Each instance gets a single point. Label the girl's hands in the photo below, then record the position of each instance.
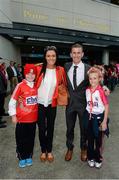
(104, 125)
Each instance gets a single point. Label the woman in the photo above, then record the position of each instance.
(50, 75)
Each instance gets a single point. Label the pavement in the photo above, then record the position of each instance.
(60, 169)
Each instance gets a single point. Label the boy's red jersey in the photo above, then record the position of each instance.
(27, 107)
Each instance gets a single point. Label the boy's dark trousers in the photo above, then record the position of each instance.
(46, 120)
(25, 135)
(94, 143)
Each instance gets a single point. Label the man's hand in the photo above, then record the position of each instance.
(106, 90)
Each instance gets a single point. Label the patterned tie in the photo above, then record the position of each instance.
(74, 77)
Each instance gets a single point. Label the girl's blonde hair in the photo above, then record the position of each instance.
(101, 68)
(95, 70)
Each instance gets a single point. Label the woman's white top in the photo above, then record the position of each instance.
(47, 87)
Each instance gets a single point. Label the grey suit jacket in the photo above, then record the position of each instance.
(77, 99)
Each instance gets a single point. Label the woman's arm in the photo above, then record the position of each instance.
(64, 77)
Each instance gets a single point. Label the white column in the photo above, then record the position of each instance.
(105, 57)
(9, 51)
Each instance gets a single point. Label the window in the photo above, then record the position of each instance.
(112, 1)
(115, 2)
(108, 1)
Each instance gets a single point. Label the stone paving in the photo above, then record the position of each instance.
(59, 169)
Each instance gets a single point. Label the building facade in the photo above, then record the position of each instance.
(26, 26)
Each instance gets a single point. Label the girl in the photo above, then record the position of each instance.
(49, 77)
(95, 118)
(23, 109)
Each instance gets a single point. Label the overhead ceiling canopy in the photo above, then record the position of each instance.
(27, 32)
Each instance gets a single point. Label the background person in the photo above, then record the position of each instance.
(3, 90)
(12, 75)
(19, 73)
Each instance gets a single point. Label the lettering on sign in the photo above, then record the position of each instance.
(66, 21)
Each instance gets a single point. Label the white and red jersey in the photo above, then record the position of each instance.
(96, 100)
(23, 102)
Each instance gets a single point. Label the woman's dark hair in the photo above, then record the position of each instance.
(46, 49)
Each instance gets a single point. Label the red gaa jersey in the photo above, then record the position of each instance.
(26, 97)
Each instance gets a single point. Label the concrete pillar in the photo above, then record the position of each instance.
(105, 57)
(9, 51)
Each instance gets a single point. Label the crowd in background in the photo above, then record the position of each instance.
(13, 74)
(110, 76)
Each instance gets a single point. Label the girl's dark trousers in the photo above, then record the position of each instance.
(46, 121)
(25, 135)
(94, 136)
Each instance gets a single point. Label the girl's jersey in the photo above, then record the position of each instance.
(96, 100)
(26, 98)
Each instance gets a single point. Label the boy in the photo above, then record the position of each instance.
(23, 109)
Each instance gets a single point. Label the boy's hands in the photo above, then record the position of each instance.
(14, 119)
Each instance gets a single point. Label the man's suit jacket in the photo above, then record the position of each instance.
(10, 72)
(77, 98)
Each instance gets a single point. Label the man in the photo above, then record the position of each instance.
(77, 81)
(3, 90)
(12, 75)
(19, 73)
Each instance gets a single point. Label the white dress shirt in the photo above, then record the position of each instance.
(79, 73)
(47, 87)
(14, 70)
